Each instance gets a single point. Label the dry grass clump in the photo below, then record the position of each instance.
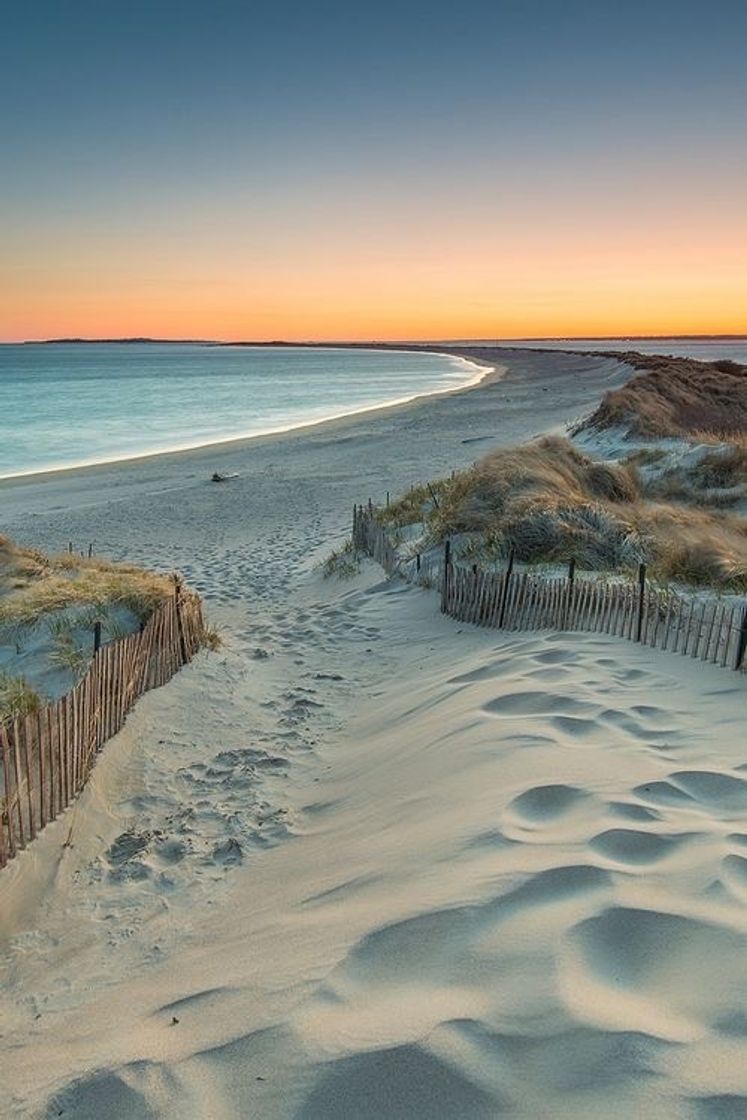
(697, 548)
(17, 697)
(408, 509)
(676, 397)
(33, 585)
(342, 563)
(211, 637)
(550, 503)
(646, 456)
(550, 472)
(717, 480)
(722, 470)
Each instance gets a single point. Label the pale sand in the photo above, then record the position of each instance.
(377, 864)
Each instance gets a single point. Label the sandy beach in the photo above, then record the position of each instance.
(364, 862)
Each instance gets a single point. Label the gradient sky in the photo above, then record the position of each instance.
(391, 170)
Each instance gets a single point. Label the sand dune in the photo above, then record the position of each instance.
(365, 862)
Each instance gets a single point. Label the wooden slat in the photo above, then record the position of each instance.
(22, 830)
(734, 616)
(508, 609)
(8, 791)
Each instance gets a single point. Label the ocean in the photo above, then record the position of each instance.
(64, 405)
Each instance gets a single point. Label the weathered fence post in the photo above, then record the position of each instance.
(641, 598)
(97, 636)
(741, 641)
(504, 596)
(568, 615)
(179, 623)
(417, 562)
(90, 550)
(387, 499)
(445, 579)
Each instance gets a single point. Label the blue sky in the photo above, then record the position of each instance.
(131, 121)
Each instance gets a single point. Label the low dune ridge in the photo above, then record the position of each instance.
(676, 397)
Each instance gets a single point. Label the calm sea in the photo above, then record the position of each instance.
(66, 404)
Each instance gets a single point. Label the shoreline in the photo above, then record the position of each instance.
(484, 375)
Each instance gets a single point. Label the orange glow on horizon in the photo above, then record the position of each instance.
(322, 315)
(568, 271)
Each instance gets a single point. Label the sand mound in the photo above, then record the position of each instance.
(676, 397)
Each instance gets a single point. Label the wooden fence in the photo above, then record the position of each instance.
(707, 628)
(48, 755)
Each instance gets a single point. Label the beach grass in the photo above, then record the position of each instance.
(342, 563)
(549, 503)
(17, 697)
(34, 585)
(677, 397)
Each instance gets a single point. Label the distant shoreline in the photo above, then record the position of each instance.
(373, 344)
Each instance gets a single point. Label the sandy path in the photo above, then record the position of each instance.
(374, 863)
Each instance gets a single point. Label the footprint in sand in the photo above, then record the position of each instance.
(543, 805)
(397, 1082)
(539, 703)
(722, 1106)
(661, 972)
(735, 874)
(635, 848)
(665, 794)
(717, 791)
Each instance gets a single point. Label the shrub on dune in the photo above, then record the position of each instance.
(550, 503)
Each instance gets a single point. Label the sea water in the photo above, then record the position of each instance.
(68, 404)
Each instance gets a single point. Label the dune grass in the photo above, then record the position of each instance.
(550, 503)
(342, 563)
(17, 697)
(676, 397)
(717, 479)
(34, 585)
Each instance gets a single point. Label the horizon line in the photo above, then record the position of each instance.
(148, 339)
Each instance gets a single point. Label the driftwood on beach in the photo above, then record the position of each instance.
(707, 628)
(47, 756)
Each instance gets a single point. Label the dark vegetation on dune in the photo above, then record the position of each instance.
(676, 397)
(549, 503)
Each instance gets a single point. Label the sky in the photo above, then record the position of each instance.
(252, 170)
